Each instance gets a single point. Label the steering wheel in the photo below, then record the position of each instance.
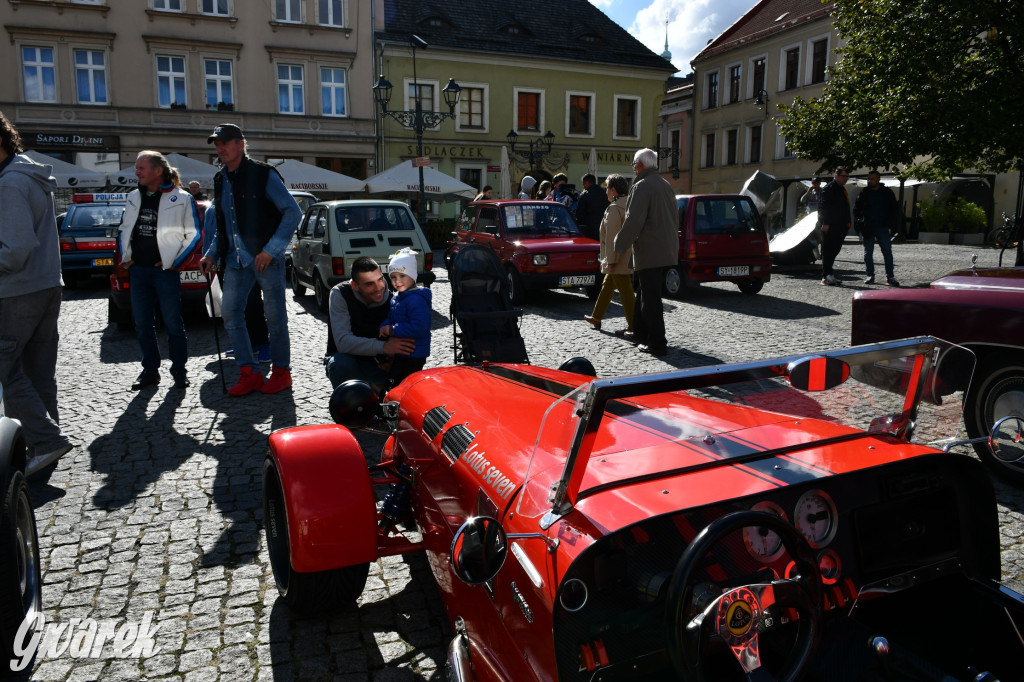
(740, 614)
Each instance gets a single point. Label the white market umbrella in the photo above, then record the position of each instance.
(406, 178)
(592, 162)
(309, 178)
(189, 169)
(505, 188)
(68, 174)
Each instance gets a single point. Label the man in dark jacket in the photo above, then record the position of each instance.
(834, 223)
(876, 212)
(590, 207)
(255, 219)
(651, 227)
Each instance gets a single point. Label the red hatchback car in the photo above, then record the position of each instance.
(538, 242)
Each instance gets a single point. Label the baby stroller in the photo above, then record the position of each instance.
(486, 326)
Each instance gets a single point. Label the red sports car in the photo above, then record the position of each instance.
(767, 520)
(979, 308)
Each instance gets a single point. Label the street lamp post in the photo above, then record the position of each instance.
(417, 119)
(533, 156)
(761, 100)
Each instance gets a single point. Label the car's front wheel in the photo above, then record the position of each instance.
(307, 593)
(516, 293)
(997, 392)
(298, 288)
(21, 596)
(750, 286)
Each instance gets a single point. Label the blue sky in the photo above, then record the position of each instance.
(692, 23)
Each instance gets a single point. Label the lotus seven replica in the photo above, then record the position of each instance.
(779, 519)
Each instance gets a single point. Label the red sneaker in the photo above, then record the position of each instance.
(279, 380)
(247, 383)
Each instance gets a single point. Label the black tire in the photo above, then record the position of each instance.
(321, 292)
(516, 293)
(306, 593)
(675, 282)
(122, 319)
(750, 286)
(997, 392)
(298, 288)
(21, 594)
(593, 291)
(449, 258)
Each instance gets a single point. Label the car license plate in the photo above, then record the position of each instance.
(100, 262)
(577, 280)
(734, 270)
(189, 276)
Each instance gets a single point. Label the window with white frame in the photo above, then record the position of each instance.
(40, 77)
(708, 156)
(473, 108)
(217, 8)
(731, 146)
(784, 150)
(170, 81)
(627, 117)
(819, 60)
(711, 90)
(735, 75)
(754, 133)
(529, 111)
(289, 89)
(91, 76)
(288, 10)
(219, 83)
(332, 92)
(167, 5)
(791, 68)
(329, 13)
(580, 109)
(758, 69)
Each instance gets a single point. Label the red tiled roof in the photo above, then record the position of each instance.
(766, 18)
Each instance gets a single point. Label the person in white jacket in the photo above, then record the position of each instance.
(159, 229)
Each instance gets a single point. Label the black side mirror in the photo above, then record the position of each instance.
(354, 404)
(478, 550)
(1006, 440)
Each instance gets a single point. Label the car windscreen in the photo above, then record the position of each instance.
(375, 218)
(801, 408)
(106, 215)
(724, 216)
(545, 218)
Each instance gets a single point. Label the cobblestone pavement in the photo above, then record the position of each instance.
(158, 507)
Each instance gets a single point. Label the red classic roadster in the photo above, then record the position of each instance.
(766, 520)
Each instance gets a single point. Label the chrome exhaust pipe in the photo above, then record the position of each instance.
(459, 667)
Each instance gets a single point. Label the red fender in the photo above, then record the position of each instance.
(329, 502)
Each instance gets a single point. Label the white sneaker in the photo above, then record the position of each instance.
(831, 281)
(42, 460)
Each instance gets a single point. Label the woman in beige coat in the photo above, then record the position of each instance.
(618, 275)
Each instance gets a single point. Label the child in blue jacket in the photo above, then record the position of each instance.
(409, 317)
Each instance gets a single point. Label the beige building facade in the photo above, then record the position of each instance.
(95, 81)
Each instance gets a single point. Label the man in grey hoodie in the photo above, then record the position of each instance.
(30, 295)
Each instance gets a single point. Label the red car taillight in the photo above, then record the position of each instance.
(691, 248)
(67, 244)
(104, 245)
(428, 260)
(338, 266)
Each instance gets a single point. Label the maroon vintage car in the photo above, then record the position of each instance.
(979, 308)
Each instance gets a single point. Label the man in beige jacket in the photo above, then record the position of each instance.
(651, 228)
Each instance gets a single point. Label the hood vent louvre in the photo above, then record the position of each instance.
(456, 441)
(434, 420)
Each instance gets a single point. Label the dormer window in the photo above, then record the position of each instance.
(512, 30)
(589, 38)
(434, 22)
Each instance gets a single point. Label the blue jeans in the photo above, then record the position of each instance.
(341, 367)
(151, 285)
(880, 234)
(236, 285)
(28, 365)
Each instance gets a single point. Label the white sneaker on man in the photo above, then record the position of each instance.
(41, 460)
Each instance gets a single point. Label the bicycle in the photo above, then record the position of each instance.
(1005, 234)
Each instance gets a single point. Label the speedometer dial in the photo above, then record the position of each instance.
(815, 517)
(764, 544)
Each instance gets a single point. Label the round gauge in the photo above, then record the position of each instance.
(574, 595)
(830, 565)
(764, 544)
(815, 517)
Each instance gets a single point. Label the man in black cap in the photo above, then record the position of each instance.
(256, 217)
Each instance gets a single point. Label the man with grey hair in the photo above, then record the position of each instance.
(651, 229)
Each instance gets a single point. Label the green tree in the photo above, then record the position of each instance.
(925, 88)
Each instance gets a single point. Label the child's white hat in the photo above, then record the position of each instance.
(403, 261)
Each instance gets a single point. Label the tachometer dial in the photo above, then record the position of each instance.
(830, 565)
(764, 544)
(815, 517)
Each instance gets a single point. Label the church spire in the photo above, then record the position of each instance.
(666, 55)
